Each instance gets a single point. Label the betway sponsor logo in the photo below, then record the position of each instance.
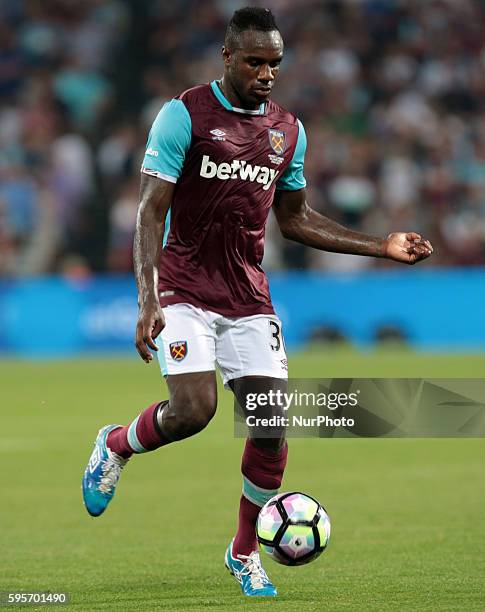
(238, 168)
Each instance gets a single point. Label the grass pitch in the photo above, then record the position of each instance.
(408, 516)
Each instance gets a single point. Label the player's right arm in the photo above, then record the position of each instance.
(168, 142)
(155, 198)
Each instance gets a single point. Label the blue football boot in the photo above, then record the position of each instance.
(247, 570)
(102, 474)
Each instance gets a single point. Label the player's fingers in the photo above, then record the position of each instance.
(421, 253)
(157, 328)
(141, 344)
(145, 357)
(144, 354)
(424, 246)
(416, 252)
(421, 247)
(148, 340)
(415, 249)
(412, 236)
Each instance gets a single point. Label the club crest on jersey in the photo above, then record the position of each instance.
(178, 350)
(277, 140)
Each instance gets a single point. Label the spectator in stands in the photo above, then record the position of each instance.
(391, 94)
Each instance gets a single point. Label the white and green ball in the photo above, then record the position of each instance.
(293, 528)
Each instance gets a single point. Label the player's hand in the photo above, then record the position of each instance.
(150, 323)
(407, 247)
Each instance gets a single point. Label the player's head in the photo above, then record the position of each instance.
(252, 52)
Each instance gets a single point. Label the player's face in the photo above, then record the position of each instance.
(253, 67)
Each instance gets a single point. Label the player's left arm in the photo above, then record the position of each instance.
(302, 224)
(299, 222)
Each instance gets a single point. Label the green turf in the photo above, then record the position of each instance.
(408, 516)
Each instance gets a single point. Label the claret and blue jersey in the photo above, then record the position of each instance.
(226, 163)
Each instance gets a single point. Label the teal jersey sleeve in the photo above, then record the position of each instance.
(292, 178)
(168, 142)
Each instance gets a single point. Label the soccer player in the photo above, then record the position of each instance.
(218, 157)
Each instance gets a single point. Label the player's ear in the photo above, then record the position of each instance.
(226, 55)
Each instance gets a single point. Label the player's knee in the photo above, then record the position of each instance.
(189, 416)
(272, 445)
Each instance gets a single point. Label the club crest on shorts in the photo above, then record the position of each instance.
(277, 140)
(178, 350)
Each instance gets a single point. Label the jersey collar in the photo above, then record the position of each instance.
(227, 105)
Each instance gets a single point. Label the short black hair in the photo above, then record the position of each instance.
(249, 18)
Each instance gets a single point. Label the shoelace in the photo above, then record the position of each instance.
(111, 472)
(253, 568)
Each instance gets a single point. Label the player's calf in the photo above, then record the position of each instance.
(142, 435)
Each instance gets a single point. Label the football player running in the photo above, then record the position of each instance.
(218, 158)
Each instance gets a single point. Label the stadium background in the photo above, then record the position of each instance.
(391, 94)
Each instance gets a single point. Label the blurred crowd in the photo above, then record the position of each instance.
(391, 93)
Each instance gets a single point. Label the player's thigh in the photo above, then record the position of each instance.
(261, 403)
(260, 396)
(252, 346)
(187, 342)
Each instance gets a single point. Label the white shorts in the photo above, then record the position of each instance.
(196, 340)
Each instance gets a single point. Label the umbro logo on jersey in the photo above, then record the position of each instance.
(238, 168)
(218, 134)
(152, 152)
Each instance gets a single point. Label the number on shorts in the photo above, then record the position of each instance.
(276, 334)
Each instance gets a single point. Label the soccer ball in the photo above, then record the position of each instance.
(293, 528)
